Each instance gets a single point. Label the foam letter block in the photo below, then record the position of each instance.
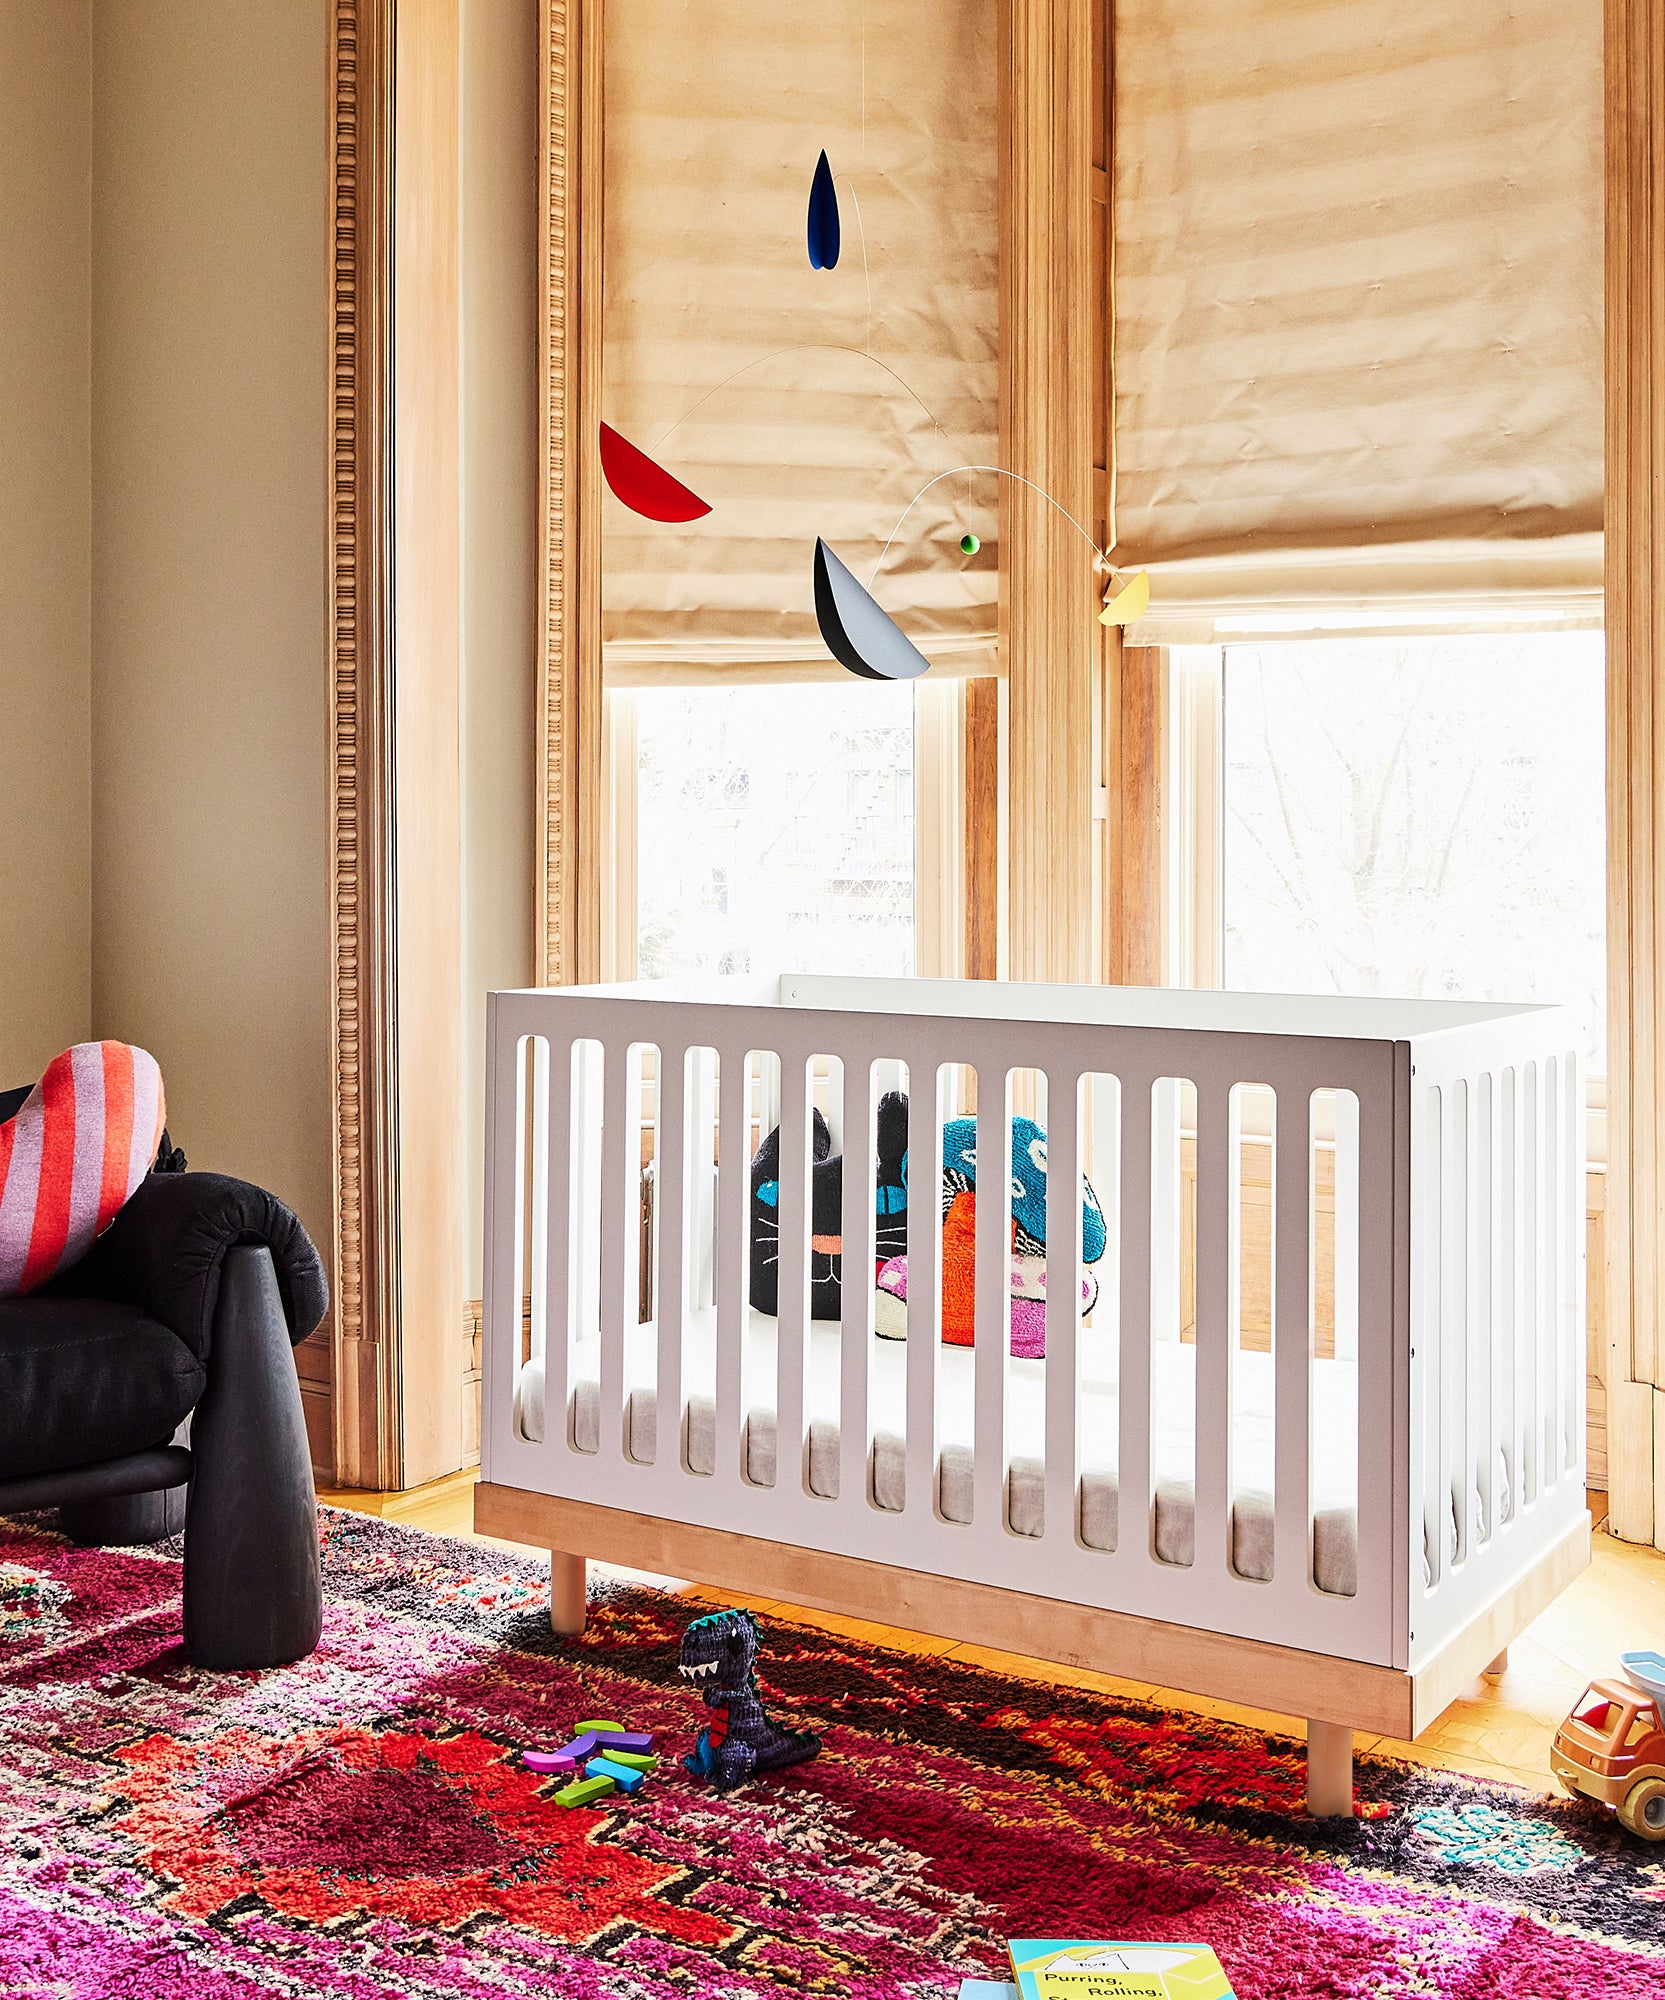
(621, 1739)
(579, 1748)
(593, 1728)
(637, 1760)
(549, 1763)
(622, 1775)
(585, 1791)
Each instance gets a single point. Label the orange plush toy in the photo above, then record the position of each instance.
(1026, 1249)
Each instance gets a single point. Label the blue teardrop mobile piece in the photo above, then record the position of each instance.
(823, 217)
(859, 632)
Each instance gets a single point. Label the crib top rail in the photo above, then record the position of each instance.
(1332, 1017)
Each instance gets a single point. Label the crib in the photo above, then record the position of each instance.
(1317, 1446)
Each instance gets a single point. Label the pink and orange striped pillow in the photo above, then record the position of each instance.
(81, 1142)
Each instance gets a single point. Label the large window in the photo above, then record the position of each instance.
(1421, 817)
(774, 829)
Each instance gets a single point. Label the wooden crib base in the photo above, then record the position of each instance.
(1335, 1697)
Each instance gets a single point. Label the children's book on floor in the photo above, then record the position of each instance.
(1081, 1969)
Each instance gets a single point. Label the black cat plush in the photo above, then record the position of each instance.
(826, 1210)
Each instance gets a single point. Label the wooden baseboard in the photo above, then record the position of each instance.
(442, 1495)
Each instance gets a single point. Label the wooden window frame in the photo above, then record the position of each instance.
(1037, 855)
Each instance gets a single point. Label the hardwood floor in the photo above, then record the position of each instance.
(1500, 1729)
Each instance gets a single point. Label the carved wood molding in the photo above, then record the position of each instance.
(1635, 538)
(568, 936)
(360, 517)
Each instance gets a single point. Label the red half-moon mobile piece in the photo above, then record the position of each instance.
(644, 485)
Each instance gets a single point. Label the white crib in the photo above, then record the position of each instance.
(1345, 1530)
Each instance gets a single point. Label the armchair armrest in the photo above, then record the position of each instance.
(165, 1250)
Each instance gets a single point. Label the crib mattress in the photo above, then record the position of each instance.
(1173, 1402)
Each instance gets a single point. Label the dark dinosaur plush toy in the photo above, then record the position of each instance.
(719, 1656)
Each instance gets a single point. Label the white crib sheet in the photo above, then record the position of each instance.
(1334, 1433)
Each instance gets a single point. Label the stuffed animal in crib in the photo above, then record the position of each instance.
(959, 1239)
(826, 1207)
(719, 1657)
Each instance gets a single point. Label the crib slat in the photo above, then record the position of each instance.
(532, 1258)
(560, 1276)
(1133, 1487)
(733, 1223)
(619, 1175)
(793, 1304)
(1507, 1338)
(992, 1302)
(1571, 1295)
(1292, 1198)
(1063, 1300)
(1384, 1371)
(675, 1167)
(1532, 1232)
(924, 1282)
(1452, 1194)
(505, 1205)
(1216, 1238)
(855, 1293)
(1456, 1481)
(1482, 1403)
(1550, 1311)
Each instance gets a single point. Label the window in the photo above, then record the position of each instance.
(1642, 1725)
(1423, 817)
(773, 829)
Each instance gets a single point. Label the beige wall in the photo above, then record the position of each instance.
(163, 560)
(209, 715)
(499, 549)
(45, 641)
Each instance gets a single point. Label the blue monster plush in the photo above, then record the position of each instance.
(959, 1171)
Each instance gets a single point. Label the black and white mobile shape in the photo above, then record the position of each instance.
(859, 633)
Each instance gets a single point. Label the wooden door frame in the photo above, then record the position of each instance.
(395, 814)
(362, 981)
(1635, 619)
(570, 717)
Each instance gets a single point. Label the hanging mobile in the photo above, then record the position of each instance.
(859, 633)
(644, 485)
(823, 218)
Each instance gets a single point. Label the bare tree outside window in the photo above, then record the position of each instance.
(775, 829)
(1420, 817)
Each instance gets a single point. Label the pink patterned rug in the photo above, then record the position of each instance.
(360, 1826)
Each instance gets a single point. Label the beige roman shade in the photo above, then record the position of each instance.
(1358, 302)
(811, 403)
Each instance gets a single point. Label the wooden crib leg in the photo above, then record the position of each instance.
(568, 1580)
(1329, 1771)
(1501, 1664)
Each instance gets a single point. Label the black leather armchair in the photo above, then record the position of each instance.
(187, 1306)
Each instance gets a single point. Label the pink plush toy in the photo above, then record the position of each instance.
(1028, 1305)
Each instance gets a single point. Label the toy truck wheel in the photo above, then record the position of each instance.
(1643, 1810)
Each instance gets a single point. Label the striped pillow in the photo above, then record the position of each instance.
(81, 1143)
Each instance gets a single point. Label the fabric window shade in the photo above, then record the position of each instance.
(1358, 296)
(799, 403)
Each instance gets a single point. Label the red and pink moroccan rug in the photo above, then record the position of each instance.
(360, 1826)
